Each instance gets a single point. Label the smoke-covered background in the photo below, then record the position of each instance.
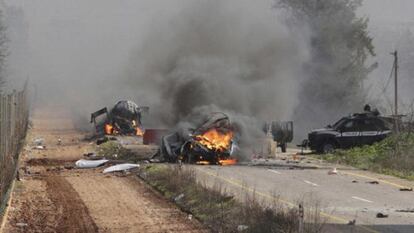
(247, 58)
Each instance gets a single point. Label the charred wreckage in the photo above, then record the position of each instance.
(123, 119)
(211, 142)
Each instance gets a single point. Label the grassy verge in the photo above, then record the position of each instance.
(218, 210)
(113, 150)
(392, 156)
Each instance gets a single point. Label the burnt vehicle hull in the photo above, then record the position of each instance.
(185, 145)
(353, 131)
(123, 118)
(194, 152)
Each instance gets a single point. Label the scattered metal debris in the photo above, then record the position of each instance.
(406, 189)
(39, 147)
(21, 224)
(352, 222)
(179, 197)
(354, 181)
(372, 182)
(381, 215)
(120, 167)
(241, 228)
(333, 171)
(38, 141)
(406, 210)
(83, 163)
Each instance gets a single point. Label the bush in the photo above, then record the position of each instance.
(393, 156)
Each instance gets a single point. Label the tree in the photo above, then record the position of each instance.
(339, 48)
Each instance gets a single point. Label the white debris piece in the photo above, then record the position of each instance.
(120, 167)
(241, 228)
(39, 147)
(333, 171)
(83, 163)
(38, 141)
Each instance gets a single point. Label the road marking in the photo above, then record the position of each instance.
(372, 178)
(276, 172)
(273, 198)
(308, 182)
(362, 199)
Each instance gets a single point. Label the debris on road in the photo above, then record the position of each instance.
(406, 210)
(372, 182)
(333, 171)
(39, 148)
(83, 163)
(352, 222)
(21, 224)
(406, 189)
(381, 215)
(120, 167)
(38, 141)
(241, 228)
(179, 197)
(354, 181)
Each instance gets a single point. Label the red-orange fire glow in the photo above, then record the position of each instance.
(216, 140)
(226, 162)
(109, 129)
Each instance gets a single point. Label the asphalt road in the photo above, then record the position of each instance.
(340, 198)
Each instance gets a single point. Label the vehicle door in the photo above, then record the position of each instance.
(370, 131)
(349, 134)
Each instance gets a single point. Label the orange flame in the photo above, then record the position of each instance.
(203, 162)
(226, 162)
(109, 129)
(139, 131)
(216, 140)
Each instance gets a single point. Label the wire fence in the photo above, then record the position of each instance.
(14, 113)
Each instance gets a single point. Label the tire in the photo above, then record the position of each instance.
(283, 147)
(327, 147)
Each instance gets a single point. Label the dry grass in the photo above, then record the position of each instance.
(220, 211)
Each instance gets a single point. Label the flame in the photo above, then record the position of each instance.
(203, 162)
(139, 131)
(109, 129)
(215, 140)
(226, 162)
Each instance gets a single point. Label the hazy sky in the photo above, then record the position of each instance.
(78, 46)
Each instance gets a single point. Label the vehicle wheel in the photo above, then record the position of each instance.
(283, 147)
(328, 148)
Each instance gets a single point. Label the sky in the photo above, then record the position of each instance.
(75, 49)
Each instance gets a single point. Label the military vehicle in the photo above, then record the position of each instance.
(355, 130)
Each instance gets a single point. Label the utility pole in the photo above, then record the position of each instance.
(395, 54)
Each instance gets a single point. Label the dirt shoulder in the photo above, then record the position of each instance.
(52, 197)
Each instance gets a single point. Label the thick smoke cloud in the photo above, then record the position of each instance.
(233, 55)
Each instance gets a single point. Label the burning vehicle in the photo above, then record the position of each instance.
(123, 119)
(211, 143)
(356, 130)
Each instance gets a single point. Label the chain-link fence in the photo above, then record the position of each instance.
(14, 112)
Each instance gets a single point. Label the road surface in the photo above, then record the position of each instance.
(341, 198)
(51, 197)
